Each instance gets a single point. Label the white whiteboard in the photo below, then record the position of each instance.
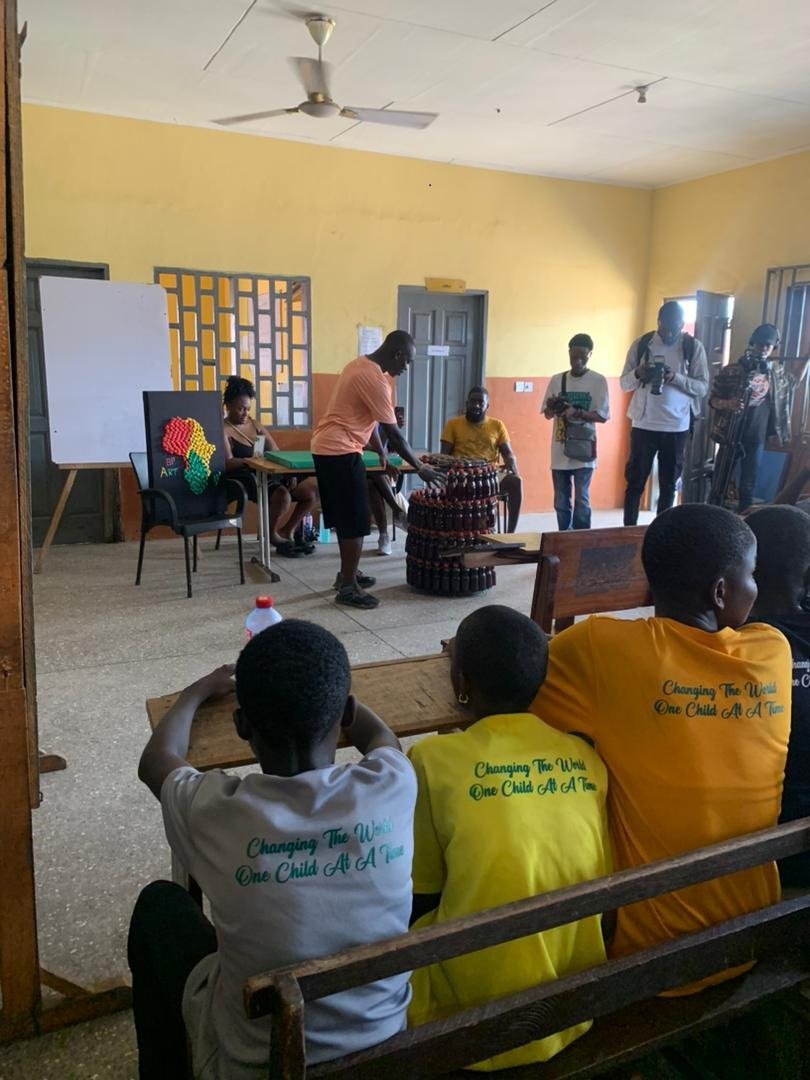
(105, 343)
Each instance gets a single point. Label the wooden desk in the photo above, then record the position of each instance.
(529, 553)
(412, 696)
(265, 471)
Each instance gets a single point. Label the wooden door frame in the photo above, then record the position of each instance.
(21, 978)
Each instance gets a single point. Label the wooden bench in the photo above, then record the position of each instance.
(586, 571)
(620, 995)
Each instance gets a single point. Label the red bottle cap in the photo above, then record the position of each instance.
(264, 601)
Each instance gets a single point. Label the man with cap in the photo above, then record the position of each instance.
(668, 373)
(576, 400)
(764, 389)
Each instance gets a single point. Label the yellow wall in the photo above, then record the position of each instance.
(723, 232)
(557, 257)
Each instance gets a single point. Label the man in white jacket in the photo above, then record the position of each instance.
(668, 373)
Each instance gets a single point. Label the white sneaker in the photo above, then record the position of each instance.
(384, 545)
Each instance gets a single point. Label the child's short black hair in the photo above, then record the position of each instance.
(504, 655)
(783, 547)
(292, 682)
(236, 387)
(687, 548)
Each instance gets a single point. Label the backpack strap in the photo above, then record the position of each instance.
(643, 346)
(688, 346)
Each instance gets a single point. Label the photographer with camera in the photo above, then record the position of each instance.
(576, 400)
(751, 399)
(669, 376)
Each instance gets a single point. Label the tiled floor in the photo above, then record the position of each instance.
(103, 647)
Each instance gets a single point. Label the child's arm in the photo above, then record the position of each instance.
(168, 747)
(365, 730)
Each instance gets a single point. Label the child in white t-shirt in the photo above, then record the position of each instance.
(300, 860)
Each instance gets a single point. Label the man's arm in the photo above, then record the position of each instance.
(397, 442)
(696, 383)
(167, 749)
(365, 730)
(632, 371)
(588, 416)
(509, 459)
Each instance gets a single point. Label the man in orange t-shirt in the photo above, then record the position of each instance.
(690, 712)
(362, 399)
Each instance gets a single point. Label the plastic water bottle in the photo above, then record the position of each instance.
(262, 616)
(309, 532)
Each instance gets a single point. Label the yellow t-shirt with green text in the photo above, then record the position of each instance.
(693, 727)
(482, 440)
(506, 810)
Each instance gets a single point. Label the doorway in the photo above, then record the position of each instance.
(88, 516)
(450, 333)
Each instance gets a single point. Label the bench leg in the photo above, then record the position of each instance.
(194, 564)
(241, 559)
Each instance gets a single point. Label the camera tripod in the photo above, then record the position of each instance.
(731, 451)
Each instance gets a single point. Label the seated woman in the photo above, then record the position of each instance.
(783, 576)
(508, 809)
(241, 435)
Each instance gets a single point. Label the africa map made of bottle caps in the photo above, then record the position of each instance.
(186, 438)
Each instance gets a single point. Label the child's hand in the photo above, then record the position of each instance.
(217, 683)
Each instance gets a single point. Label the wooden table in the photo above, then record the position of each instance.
(529, 553)
(413, 696)
(265, 471)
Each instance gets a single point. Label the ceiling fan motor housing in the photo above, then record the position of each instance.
(319, 109)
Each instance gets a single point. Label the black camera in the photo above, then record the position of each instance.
(753, 362)
(657, 372)
(559, 405)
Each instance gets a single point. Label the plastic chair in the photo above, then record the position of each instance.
(159, 508)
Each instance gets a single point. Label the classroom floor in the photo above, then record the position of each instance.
(103, 647)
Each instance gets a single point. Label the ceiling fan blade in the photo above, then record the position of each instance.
(314, 74)
(390, 116)
(227, 121)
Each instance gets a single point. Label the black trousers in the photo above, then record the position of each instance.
(752, 444)
(670, 446)
(168, 936)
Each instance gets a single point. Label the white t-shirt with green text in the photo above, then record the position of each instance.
(589, 392)
(294, 868)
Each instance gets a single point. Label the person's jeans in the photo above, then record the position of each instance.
(752, 443)
(581, 480)
(168, 936)
(644, 445)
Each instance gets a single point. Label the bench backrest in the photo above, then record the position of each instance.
(585, 571)
(501, 1025)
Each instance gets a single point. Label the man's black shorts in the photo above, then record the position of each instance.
(343, 488)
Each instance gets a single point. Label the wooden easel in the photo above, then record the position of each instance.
(59, 509)
(21, 979)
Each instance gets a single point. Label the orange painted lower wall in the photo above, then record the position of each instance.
(529, 431)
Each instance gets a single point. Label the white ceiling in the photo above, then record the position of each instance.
(536, 86)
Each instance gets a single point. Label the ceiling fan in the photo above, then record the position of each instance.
(314, 75)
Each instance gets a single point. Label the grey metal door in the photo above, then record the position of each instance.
(448, 331)
(83, 520)
(713, 328)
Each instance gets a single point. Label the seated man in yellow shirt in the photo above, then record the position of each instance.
(505, 810)
(476, 435)
(690, 711)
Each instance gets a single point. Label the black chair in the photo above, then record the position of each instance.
(159, 508)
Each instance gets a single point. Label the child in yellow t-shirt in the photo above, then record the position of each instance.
(690, 711)
(505, 810)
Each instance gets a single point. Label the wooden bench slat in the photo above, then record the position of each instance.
(645, 1027)
(364, 964)
(474, 1034)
